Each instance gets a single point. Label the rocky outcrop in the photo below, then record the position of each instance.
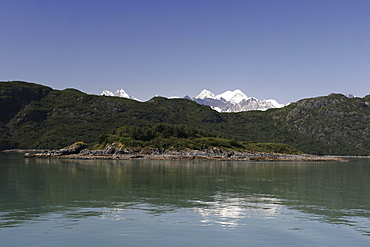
(75, 148)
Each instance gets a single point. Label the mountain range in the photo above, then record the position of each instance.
(36, 116)
(228, 101)
(234, 101)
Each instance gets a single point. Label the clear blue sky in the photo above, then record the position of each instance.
(287, 50)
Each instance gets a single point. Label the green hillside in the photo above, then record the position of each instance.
(332, 124)
(35, 116)
(180, 137)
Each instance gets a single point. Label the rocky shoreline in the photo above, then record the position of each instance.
(250, 157)
(116, 152)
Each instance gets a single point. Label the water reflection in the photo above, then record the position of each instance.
(227, 209)
(221, 193)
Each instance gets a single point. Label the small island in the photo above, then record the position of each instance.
(177, 142)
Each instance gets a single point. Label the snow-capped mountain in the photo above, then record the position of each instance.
(228, 101)
(234, 97)
(119, 93)
(234, 101)
(205, 94)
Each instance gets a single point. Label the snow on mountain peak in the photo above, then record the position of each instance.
(122, 93)
(107, 93)
(228, 101)
(234, 101)
(274, 103)
(205, 94)
(234, 97)
(119, 93)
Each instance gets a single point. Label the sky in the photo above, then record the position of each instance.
(281, 49)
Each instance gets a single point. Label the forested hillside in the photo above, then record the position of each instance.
(180, 137)
(35, 116)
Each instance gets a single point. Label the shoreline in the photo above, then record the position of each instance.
(221, 155)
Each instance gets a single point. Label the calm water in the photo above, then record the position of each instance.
(166, 203)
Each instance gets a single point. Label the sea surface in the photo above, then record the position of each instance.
(183, 203)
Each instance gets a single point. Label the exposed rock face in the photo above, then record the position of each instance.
(75, 148)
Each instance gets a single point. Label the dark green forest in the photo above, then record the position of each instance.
(36, 116)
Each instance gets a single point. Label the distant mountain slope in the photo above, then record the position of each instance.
(35, 116)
